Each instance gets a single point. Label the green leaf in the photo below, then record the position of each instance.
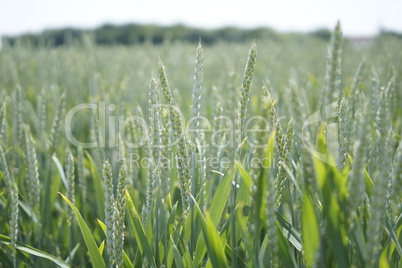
(97, 182)
(139, 232)
(246, 177)
(101, 247)
(310, 231)
(240, 261)
(60, 170)
(186, 257)
(243, 193)
(3, 257)
(285, 251)
(292, 235)
(177, 255)
(213, 242)
(369, 183)
(393, 236)
(28, 211)
(126, 260)
(320, 172)
(333, 191)
(245, 235)
(219, 200)
(72, 253)
(383, 260)
(94, 254)
(357, 238)
(33, 251)
(263, 250)
(215, 210)
(102, 225)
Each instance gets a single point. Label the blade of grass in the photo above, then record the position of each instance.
(289, 232)
(139, 232)
(177, 255)
(60, 170)
(5, 260)
(94, 254)
(97, 182)
(33, 251)
(72, 253)
(310, 232)
(215, 211)
(126, 260)
(101, 247)
(393, 236)
(213, 242)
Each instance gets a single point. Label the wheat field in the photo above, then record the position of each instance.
(279, 152)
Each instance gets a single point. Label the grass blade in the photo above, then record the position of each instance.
(94, 254)
(310, 232)
(215, 211)
(139, 231)
(33, 251)
(213, 242)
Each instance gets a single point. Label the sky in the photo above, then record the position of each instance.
(358, 18)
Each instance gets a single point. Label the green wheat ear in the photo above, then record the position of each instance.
(197, 84)
(18, 122)
(110, 215)
(120, 204)
(32, 173)
(153, 152)
(70, 178)
(284, 149)
(245, 89)
(163, 151)
(42, 112)
(343, 132)
(57, 123)
(356, 177)
(3, 124)
(333, 89)
(381, 177)
(198, 138)
(183, 160)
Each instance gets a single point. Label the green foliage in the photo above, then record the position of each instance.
(94, 254)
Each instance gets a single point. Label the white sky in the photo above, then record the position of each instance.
(358, 17)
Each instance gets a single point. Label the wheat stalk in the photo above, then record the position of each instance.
(110, 215)
(378, 201)
(153, 153)
(120, 210)
(343, 132)
(334, 61)
(70, 178)
(245, 90)
(183, 169)
(57, 123)
(32, 172)
(3, 124)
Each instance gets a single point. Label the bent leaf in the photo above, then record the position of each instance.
(94, 254)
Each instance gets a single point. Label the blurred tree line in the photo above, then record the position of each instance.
(130, 34)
